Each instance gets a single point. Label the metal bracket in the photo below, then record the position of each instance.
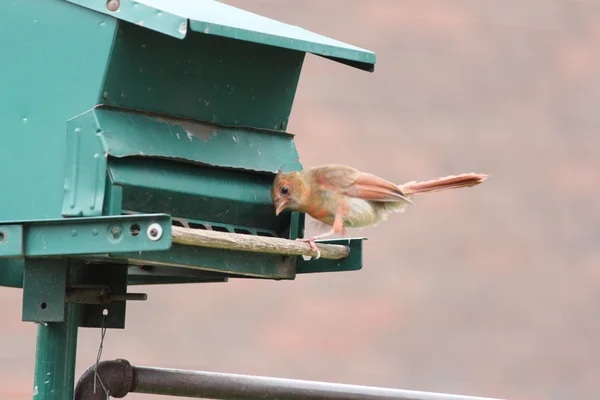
(44, 286)
(85, 236)
(98, 294)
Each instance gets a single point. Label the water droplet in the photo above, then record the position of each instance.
(235, 139)
(260, 153)
(101, 24)
(25, 120)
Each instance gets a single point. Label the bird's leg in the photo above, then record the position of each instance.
(338, 226)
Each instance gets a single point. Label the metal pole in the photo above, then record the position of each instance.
(55, 357)
(210, 385)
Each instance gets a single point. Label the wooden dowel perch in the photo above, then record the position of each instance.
(257, 244)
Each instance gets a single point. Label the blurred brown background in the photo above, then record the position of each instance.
(491, 291)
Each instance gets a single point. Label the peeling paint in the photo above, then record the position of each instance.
(183, 28)
(192, 129)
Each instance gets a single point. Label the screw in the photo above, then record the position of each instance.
(113, 5)
(154, 232)
(115, 232)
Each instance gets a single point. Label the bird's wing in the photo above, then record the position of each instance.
(354, 183)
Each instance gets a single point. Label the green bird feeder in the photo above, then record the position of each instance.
(139, 141)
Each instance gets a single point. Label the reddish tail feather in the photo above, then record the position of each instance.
(444, 183)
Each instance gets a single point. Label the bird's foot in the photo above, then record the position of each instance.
(313, 246)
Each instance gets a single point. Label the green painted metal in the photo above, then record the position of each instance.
(169, 280)
(34, 116)
(74, 236)
(236, 263)
(56, 351)
(208, 78)
(11, 240)
(171, 111)
(101, 133)
(353, 262)
(44, 288)
(199, 193)
(174, 17)
(121, 160)
(155, 275)
(11, 272)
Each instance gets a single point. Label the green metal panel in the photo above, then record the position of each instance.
(154, 275)
(53, 74)
(100, 133)
(44, 287)
(56, 69)
(74, 236)
(233, 262)
(199, 193)
(211, 17)
(127, 133)
(209, 78)
(11, 240)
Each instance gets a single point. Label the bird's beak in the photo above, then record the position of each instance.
(280, 204)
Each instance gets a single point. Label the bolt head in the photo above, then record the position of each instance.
(154, 232)
(115, 232)
(113, 5)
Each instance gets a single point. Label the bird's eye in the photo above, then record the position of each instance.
(284, 190)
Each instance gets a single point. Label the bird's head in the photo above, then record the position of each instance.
(287, 191)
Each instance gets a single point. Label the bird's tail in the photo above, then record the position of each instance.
(445, 183)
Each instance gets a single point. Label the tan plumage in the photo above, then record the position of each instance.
(343, 196)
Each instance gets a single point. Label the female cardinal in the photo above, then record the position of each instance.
(343, 196)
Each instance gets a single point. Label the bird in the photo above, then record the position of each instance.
(343, 196)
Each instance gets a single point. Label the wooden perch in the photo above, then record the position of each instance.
(257, 244)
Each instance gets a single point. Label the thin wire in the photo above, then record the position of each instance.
(96, 376)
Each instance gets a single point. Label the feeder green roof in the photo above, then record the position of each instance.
(177, 17)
